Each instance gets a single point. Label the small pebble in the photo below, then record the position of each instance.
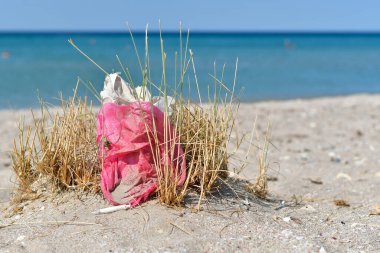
(360, 162)
(20, 238)
(285, 158)
(334, 157)
(304, 156)
(287, 233)
(343, 176)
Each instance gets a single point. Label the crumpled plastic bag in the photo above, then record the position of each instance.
(126, 131)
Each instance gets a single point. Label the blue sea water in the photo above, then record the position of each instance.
(270, 66)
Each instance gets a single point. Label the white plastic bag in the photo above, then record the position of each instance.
(118, 91)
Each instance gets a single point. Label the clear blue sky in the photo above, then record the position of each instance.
(233, 15)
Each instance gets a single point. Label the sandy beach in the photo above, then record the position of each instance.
(324, 149)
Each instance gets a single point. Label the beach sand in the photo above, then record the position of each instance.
(323, 149)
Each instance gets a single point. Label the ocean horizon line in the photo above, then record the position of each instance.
(192, 32)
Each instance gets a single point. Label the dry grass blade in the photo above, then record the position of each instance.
(180, 228)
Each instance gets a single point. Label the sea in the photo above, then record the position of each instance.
(255, 66)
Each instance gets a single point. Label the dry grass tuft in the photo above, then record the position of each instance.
(205, 139)
(260, 187)
(204, 134)
(22, 157)
(60, 149)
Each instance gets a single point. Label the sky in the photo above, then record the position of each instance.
(198, 15)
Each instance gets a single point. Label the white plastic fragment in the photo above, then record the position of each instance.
(111, 209)
(118, 91)
(246, 201)
(160, 103)
(143, 93)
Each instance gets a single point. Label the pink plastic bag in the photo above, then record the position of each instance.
(126, 143)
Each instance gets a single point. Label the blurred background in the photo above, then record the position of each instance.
(285, 49)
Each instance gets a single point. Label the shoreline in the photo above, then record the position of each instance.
(243, 102)
(312, 98)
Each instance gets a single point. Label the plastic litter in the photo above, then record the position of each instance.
(129, 132)
(111, 209)
(118, 91)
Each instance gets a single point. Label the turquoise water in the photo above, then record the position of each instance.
(271, 66)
